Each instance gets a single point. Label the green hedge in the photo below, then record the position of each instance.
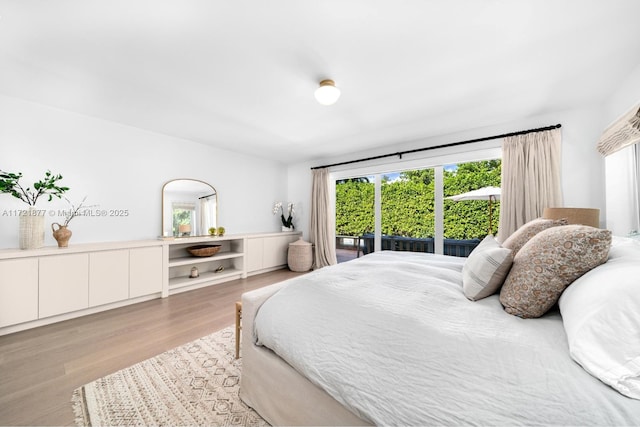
(408, 203)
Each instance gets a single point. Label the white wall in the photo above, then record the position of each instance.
(121, 167)
(582, 166)
(622, 217)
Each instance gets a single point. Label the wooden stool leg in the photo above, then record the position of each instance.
(238, 327)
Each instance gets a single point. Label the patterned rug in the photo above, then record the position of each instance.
(195, 384)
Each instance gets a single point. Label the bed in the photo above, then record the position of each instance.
(393, 338)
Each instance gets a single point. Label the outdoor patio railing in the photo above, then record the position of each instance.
(452, 247)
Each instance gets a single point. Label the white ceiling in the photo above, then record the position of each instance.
(240, 75)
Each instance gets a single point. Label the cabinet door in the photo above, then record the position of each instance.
(18, 291)
(145, 271)
(275, 250)
(108, 277)
(64, 284)
(254, 253)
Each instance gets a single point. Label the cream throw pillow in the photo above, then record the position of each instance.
(523, 234)
(485, 270)
(550, 262)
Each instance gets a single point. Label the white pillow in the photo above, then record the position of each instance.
(601, 316)
(486, 268)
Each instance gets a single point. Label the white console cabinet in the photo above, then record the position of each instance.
(47, 285)
(269, 252)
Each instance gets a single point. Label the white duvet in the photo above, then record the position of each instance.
(392, 337)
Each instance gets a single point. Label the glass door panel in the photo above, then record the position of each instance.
(407, 210)
(471, 217)
(355, 217)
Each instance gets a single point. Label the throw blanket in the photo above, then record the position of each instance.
(392, 337)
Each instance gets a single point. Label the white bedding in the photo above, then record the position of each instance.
(392, 337)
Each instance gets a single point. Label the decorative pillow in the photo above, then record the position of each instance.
(601, 316)
(550, 262)
(522, 235)
(485, 270)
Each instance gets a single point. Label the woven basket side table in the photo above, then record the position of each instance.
(300, 255)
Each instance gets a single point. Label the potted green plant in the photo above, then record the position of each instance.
(31, 220)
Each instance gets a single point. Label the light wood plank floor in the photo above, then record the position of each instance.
(40, 368)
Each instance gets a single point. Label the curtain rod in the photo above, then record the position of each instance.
(453, 144)
(208, 195)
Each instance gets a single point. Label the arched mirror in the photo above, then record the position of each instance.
(189, 208)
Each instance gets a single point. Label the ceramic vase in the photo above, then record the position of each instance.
(62, 234)
(31, 229)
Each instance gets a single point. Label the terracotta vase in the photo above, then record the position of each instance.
(62, 234)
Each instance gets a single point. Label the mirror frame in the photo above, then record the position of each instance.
(162, 210)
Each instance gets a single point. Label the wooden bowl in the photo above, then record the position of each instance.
(204, 250)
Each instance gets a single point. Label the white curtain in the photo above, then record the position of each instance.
(323, 229)
(530, 178)
(207, 218)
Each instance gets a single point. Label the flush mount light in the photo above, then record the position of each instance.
(327, 93)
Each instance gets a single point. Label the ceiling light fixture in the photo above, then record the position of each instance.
(327, 93)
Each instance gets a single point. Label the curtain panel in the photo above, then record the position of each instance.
(530, 178)
(323, 229)
(622, 133)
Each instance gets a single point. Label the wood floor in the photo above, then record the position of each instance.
(40, 368)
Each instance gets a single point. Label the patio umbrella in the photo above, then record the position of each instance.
(485, 193)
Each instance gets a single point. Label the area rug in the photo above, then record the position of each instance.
(195, 384)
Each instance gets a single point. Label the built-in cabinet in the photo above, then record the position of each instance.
(239, 256)
(145, 271)
(47, 285)
(227, 264)
(50, 284)
(19, 290)
(268, 253)
(63, 284)
(108, 277)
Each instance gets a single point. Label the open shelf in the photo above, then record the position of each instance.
(189, 260)
(207, 276)
(268, 251)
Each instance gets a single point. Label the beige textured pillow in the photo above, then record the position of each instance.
(523, 234)
(485, 270)
(550, 262)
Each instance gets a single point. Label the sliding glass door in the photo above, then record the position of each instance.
(414, 209)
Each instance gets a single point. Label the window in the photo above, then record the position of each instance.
(183, 218)
(408, 209)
